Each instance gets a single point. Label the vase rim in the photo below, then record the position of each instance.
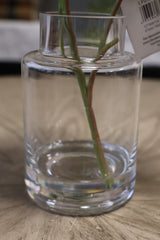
(76, 14)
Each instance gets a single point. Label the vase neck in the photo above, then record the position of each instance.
(80, 35)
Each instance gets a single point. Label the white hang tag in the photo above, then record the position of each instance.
(143, 24)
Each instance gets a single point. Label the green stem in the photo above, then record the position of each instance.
(108, 27)
(95, 135)
(60, 10)
(87, 100)
(105, 49)
(87, 90)
(69, 28)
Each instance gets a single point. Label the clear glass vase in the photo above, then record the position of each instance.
(81, 103)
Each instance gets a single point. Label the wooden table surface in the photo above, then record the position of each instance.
(20, 219)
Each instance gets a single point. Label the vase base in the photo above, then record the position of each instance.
(83, 208)
(65, 179)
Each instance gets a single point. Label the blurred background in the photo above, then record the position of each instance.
(19, 30)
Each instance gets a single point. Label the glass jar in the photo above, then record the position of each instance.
(81, 103)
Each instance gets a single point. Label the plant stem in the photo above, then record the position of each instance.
(108, 27)
(60, 10)
(69, 27)
(87, 100)
(95, 135)
(87, 90)
(87, 97)
(105, 49)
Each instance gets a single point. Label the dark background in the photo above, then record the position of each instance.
(28, 10)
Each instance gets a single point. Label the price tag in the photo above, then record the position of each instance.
(143, 24)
